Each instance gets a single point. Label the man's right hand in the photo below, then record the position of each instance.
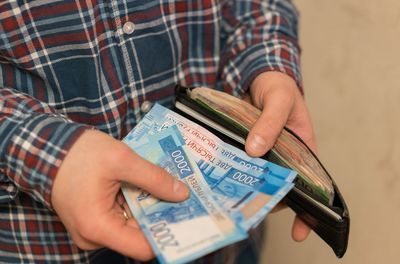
(86, 188)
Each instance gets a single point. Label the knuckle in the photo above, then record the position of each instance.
(271, 127)
(119, 154)
(81, 243)
(145, 255)
(159, 175)
(86, 231)
(84, 245)
(148, 256)
(287, 99)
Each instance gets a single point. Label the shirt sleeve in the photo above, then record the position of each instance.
(34, 140)
(258, 36)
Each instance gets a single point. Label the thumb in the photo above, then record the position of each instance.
(267, 128)
(300, 230)
(155, 180)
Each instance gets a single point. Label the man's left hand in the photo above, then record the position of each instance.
(282, 104)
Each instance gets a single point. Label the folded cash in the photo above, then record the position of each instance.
(179, 232)
(288, 149)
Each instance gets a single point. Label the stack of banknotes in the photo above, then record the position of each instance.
(230, 192)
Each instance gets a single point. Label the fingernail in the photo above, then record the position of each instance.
(179, 187)
(257, 144)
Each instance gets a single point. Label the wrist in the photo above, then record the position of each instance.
(35, 152)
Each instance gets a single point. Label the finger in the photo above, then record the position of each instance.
(131, 222)
(127, 216)
(155, 180)
(82, 242)
(300, 230)
(124, 237)
(300, 122)
(127, 210)
(120, 198)
(277, 107)
(123, 205)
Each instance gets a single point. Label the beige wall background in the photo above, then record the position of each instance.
(351, 70)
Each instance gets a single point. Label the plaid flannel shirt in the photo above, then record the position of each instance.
(68, 65)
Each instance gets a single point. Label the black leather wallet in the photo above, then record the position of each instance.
(330, 221)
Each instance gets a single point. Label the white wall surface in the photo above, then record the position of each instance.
(351, 70)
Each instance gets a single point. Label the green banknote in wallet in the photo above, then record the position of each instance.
(315, 197)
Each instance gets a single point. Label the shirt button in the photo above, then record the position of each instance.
(128, 27)
(146, 106)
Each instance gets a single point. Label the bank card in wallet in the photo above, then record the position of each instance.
(316, 198)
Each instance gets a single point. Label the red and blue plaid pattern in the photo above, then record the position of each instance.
(69, 65)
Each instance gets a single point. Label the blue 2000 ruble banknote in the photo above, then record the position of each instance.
(179, 232)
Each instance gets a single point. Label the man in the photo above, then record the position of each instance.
(75, 78)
